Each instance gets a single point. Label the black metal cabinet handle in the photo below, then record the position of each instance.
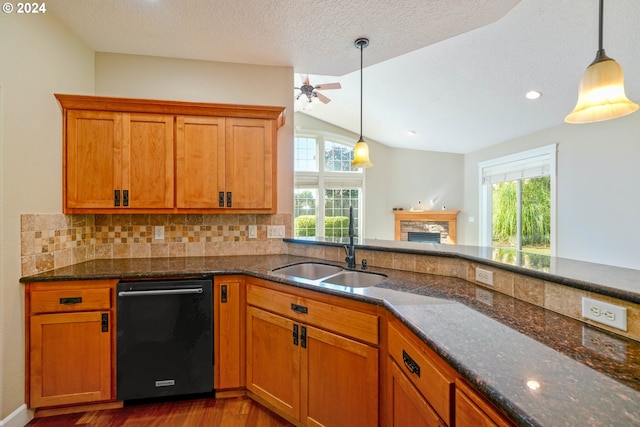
(411, 364)
(301, 309)
(229, 199)
(71, 300)
(116, 197)
(221, 199)
(223, 293)
(125, 197)
(105, 322)
(295, 334)
(303, 337)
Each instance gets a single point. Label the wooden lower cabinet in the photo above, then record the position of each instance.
(310, 375)
(70, 343)
(229, 333)
(408, 408)
(472, 410)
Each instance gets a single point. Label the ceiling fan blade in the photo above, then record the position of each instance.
(326, 86)
(322, 98)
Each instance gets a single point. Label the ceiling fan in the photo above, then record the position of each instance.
(312, 91)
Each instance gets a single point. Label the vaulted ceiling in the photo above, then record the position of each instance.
(441, 75)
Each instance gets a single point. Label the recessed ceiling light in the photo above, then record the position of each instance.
(411, 133)
(533, 94)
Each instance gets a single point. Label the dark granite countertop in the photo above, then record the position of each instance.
(586, 376)
(616, 282)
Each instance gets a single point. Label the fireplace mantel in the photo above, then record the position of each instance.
(449, 216)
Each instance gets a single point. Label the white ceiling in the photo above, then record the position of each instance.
(453, 71)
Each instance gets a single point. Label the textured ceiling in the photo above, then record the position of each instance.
(452, 71)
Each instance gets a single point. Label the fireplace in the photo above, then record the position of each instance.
(426, 226)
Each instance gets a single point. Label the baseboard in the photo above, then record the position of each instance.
(18, 418)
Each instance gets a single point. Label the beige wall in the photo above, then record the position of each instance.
(597, 189)
(39, 57)
(189, 80)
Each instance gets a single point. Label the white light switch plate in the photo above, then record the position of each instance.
(605, 313)
(484, 276)
(253, 231)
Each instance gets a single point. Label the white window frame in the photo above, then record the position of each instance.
(485, 216)
(324, 177)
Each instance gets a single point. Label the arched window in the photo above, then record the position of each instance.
(325, 186)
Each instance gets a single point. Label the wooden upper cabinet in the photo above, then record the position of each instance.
(249, 164)
(93, 143)
(151, 156)
(118, 160)
(200, 147)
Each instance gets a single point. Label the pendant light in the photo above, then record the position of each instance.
(601, 94)
(361, 150)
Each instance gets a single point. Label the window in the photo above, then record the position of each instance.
(517, 194)
(325, 187)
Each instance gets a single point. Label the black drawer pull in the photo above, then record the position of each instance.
(125, 197)
(299, 308)
(116, 197)
(71, 300)
(295, 334)
(221, 199)
(411, 365)
(229, 199)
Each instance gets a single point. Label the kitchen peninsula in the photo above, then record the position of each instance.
(537, 366)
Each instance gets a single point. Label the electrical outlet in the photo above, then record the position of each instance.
(605, 313)
(484, 276)
(253, 231)
(275, 231)
(158, 232)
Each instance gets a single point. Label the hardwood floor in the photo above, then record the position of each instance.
(208, 412)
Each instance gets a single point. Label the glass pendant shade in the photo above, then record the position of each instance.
(361, 155)
(601, 94)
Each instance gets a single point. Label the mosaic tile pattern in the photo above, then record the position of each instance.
(55, 240)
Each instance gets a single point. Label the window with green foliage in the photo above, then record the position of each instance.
(325, 190)
(517, 201)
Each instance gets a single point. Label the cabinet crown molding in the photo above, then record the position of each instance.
(136, 105)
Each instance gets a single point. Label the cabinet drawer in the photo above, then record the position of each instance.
(352, 323)
(435, 386)
(67, 300)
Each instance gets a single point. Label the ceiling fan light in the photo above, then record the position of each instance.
(361, 155)
(601, 94)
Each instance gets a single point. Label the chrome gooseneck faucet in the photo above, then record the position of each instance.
(351, 249)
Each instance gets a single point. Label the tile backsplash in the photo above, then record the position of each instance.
(56, 240)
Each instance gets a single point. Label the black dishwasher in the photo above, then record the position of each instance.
(164, 343)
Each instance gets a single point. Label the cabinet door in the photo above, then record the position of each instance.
(70, 359)
(93, 158)
(250, 163)
(147, 161)
(200, 161)
(408, 408)
(229, 366)
(339, 380)
(273, 360)
(472, 410)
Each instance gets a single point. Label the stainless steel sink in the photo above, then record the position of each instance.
(308, 270)
(355, 279)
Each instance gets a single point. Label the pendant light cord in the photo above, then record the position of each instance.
(361, 45)
(600, 26)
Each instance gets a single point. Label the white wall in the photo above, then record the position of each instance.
(39, 57)
(598, 188)
(400, 178)
(134, 76)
